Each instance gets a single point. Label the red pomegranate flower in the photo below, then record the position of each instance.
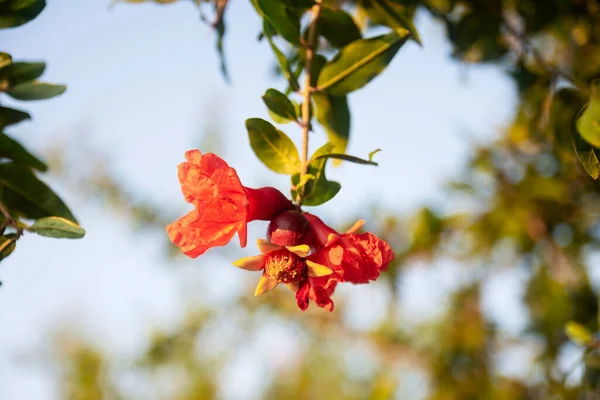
(288, 265)
(222, 205)
(353, 257)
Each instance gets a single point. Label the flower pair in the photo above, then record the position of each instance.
(302, 252)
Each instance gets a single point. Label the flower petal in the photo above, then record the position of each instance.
(265, 284)
(357, 225)
(293, 286)
(300, 250)
(322, 233)
(267, 247)
(254, 263)
(317, 270)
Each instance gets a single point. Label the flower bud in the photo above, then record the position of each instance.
(288, 228)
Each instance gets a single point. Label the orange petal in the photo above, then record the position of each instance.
(300, 250)
(255, 263)
(316, 270)
(265, 284)
(357, 225)
(266, 247)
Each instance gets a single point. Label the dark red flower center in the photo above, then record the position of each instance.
(284, 266)
(288, 228)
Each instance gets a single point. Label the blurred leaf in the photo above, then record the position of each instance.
(281, 58)
(36, 91)
(18, 12)
(304, 180)
(220, 28)
(338, 27)
(319, 190)
(346, 157)
(390, 14)
(19, 72)
(56, 227)
(11, 149)
(282, 19)
(279, 105)
(333, 113)
(22, 181)
(358, 63)
(315, 68)
(273, 147)
(587, 155)
(578, 333)
(10, 116)
(5, 59)
(588, 124)
(8, 243)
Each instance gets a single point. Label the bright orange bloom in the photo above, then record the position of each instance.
(288, 265)
(222, 205)
(356, 258)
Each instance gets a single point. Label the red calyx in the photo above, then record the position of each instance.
(265, 203)
(288, 228)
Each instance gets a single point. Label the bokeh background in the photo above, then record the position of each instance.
(492, 219)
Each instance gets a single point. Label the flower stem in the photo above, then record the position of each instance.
(311, 47)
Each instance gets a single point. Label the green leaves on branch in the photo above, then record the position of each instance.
(18, 12)
(587, 155)
(346, 157)
(17, 79)
(281, 109)
(359, 62)
(12, 150)
(273, 147)
(56, 227)
(282, 60)
(318, 190)
(10, 116)
(24, 193)
(579, 334)
(19, 72)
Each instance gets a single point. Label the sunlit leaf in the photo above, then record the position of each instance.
(319, 190)
(36, 91)
(588, 124)
(273, 147)
(282, 19)
(391, 14)
(346, 157)
(587, 155)
(56, 227)
(359, 62)
(8, 243)
(22, 181)
(371, 154)
(578, 333)
(5, 59)
(11, 149)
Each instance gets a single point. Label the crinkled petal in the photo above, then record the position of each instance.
(302, 296)
(195, 235)
(320, 291)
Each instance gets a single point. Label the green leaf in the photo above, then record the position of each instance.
(304, 180)
(11, 149)
(36, 91)
(588, 124)
(279, 105)
(391, 14)
(5, 59)
(273, 147)
(359, 62)
(347, 157)
(319, 190)
(284, 64)
(8, 243)
(18, 12)
(284, 20)
(22, 181)
(333, 113)
(317, 65)
(587, 155)
(10, 116)
(338, 27)
(20, 72)
(57, 227)
(578, 333)
(371, 154)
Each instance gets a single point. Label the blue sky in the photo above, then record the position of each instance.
(141, 79)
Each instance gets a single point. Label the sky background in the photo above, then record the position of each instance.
(143, 85)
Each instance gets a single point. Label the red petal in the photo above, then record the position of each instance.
(320, 291)
(265, 203)
(302, 296)
(321, 231)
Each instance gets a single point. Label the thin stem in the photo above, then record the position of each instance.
(311, 45)
(10, 221)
